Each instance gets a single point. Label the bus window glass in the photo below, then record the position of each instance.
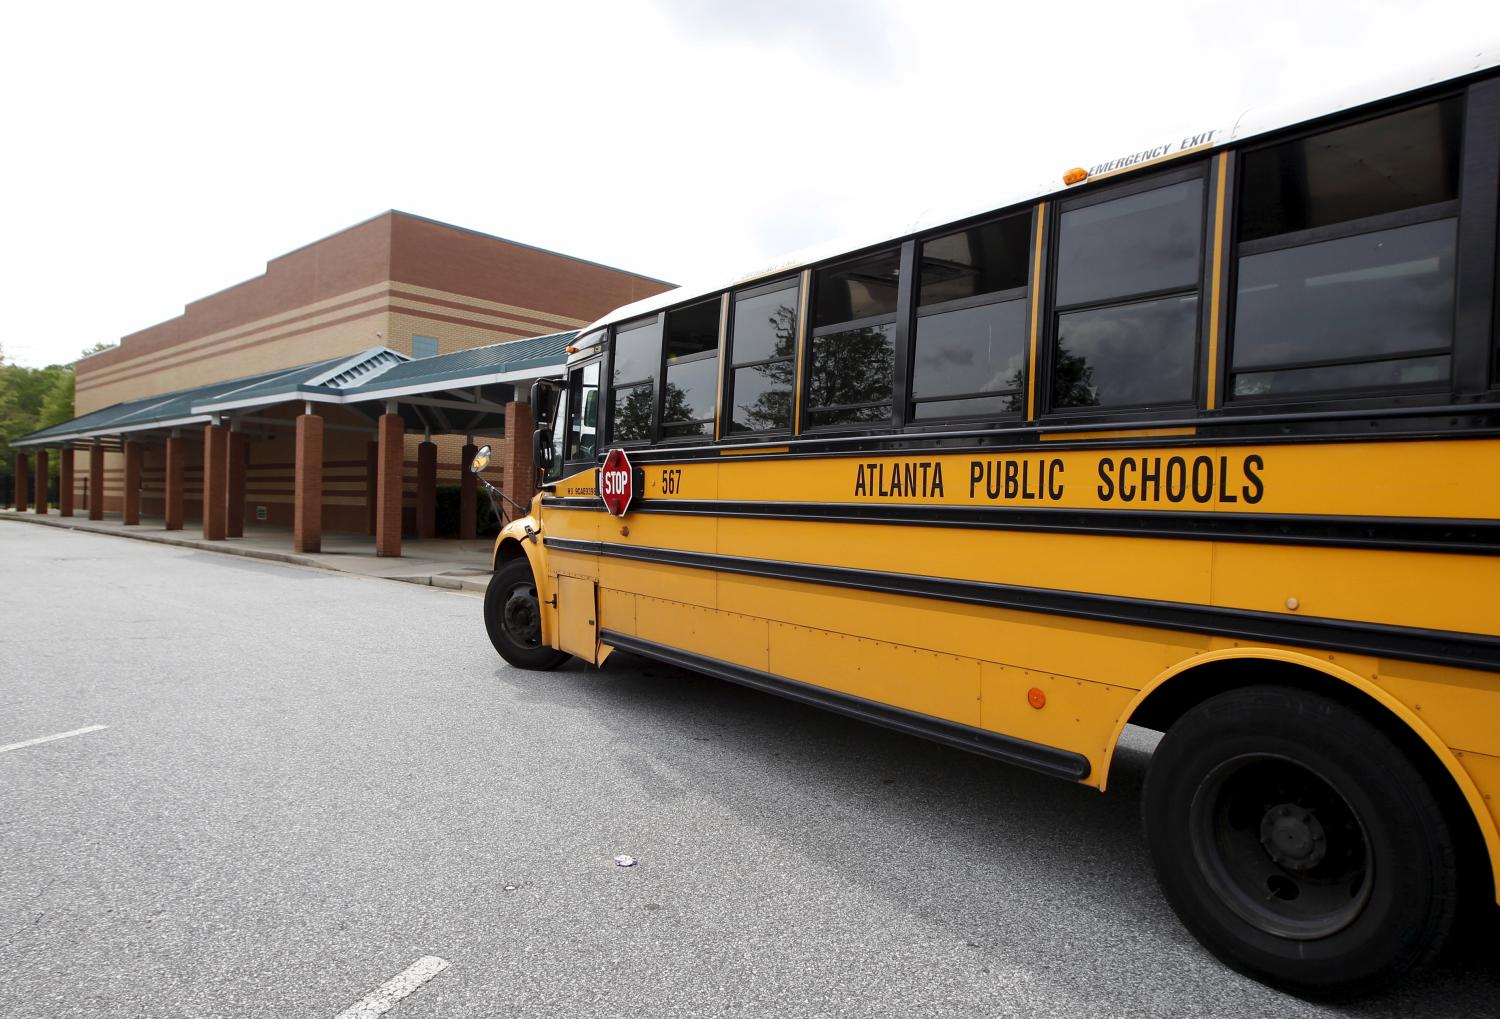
(983, 259)
(970, 351)
(765, 326)
(851, 360)
(637, 352)
(1346, 275)
(559, 435)
(865, 288)
(849, 378)
(1140, 244)
(1123, 338)
(1401, 161)
(762, 345)
(583, 413)
(1126, 355)
(692, 357)
(969, 348)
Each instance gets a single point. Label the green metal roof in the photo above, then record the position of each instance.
(351, 378)
(479, 363)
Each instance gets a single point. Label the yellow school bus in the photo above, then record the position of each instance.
(1205, 439)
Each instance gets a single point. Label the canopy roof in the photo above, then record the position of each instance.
(462, 391)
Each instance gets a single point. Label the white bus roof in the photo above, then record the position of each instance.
(1252, 122)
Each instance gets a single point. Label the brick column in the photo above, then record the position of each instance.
(41, 482)
(307, 496)
(23, 482)
(234, 489)
(467, 495)
(515, 451)
(427, 489)
(215, 480)
(132, 503)
(176, 460)
(65, 481)
(96, 481)
(392, 432)
(372, 484)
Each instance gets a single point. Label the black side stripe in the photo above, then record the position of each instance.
(1405, 534)
(1047, 760)
(1444, 647)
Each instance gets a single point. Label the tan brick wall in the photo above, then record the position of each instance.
(375, 284)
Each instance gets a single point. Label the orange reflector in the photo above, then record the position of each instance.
(1036, 698)
(1075, 175)
(571, 349)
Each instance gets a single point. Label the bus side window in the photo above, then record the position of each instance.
(691, 351)
(1346, 258)
(632, 390)
(1126, 299)
(583, 414)
(851, 362)
(761, 349)
(559, 425)
(969, 356)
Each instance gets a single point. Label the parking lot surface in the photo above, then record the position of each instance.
(308, 782)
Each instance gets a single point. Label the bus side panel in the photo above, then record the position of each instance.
(1112, 653)
(1073, 714)
(578, 617)
(927, 682)
(1461, 707)
(1432, 590)
(1484, 769)
(728, 637)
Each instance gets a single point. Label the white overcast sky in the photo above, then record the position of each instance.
(153, 154)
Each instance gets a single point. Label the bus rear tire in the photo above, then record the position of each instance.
(513, 618)
(1299, 843)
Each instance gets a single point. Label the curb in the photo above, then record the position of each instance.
(290, 558)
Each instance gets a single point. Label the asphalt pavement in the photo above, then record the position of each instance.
(310, 782)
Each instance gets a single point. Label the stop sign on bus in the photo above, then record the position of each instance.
(616, 482)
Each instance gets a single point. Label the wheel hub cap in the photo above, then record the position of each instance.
(1293, 837)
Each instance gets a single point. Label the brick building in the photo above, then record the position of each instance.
(397, 296)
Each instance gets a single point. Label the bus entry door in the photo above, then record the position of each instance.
(578, 617)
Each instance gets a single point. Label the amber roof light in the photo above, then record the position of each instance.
(1075, 175)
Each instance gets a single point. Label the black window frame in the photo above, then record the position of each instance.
(1195, 168)
(600, 422)
(1465, 209)
(900, 352)
(608, 396)
(729, 366)
(660, 436)
(1022, 293)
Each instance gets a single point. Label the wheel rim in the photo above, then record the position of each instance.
(1280, 845)
(521, 616)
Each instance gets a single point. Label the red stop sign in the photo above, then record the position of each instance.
(616, 482)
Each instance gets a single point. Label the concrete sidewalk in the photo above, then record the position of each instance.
(448, 563)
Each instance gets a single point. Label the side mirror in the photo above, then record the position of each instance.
(544, 400)
(481, 460)
(541, 449)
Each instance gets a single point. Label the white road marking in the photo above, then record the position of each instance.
(380, 1000)
(48, 739)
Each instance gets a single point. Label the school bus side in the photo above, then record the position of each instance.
(1288, 565)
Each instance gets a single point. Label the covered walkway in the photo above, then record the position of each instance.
(318, 448)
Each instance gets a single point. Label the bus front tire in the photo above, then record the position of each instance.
(513, 618)
(1299, 843)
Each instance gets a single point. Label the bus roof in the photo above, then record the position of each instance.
(1205, 138)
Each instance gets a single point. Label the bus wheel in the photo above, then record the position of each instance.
(513, 618)
(1298, 843)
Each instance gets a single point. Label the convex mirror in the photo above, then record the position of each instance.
(481, 460)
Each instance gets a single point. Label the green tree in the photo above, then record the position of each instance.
(32, 399)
